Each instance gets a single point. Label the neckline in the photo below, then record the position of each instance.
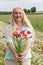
(18, 29)
(21, 28)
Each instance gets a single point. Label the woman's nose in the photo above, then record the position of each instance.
(18, 14)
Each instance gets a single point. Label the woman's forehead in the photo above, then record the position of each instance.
(18, 10)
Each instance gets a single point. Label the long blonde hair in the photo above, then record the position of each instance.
(25, 21)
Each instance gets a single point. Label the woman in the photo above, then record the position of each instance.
(20, 21)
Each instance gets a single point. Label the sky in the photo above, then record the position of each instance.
(8, 5)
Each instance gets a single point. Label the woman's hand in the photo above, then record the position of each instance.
(24, 53)
(19, 58)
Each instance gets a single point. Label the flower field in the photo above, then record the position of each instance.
(2, 44)
(37, 49)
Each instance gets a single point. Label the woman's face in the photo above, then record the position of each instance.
(18, 15)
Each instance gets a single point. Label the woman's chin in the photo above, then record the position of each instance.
(18, 20)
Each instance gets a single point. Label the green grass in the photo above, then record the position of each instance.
(5, 18)
(36, 20)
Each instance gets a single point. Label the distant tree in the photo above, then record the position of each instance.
(28, 11)
(25, 10)
(33, 9)
(4, 13)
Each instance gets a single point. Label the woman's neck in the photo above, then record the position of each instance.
(19, 26)
(18, 22)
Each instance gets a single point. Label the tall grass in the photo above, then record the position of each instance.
(5, 18)
(36, 20)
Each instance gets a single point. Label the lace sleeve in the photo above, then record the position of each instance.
(8, 38)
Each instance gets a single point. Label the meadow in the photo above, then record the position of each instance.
(37, 49)
(36, 20)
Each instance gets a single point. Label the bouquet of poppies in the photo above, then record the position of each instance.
(20, 41)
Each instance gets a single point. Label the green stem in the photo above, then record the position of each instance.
(20, 63)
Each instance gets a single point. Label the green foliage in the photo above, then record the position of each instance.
(33, 9)
(27, 11)
(4, 13)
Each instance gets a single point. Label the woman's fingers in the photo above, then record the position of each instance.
(24, 53)
(21, 58)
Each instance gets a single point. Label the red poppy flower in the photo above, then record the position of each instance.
(22, 32)
(28, 32)
(4, 51)
(25, 35)
(17, 35)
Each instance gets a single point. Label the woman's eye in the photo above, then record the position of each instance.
(20, 13)
(15, 13)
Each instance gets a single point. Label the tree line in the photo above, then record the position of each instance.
(28, 11)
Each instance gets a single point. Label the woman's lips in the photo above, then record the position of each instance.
(18, 17)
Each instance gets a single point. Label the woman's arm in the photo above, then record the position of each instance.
(12, 49)
(27, 48)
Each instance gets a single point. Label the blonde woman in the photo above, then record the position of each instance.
(18, 20)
